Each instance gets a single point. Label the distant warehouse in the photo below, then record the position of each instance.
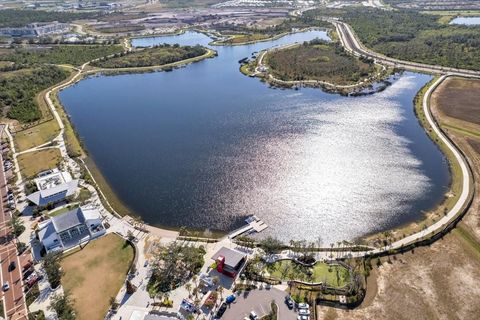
(36, 29)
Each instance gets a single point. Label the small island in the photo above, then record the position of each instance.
(315, 63)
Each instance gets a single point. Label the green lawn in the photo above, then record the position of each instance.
(95, 274)
(61, 211)
(332, 275)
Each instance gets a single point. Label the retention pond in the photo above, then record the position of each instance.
(204, 146)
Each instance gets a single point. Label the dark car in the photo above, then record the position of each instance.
(221, 311)
(289, 302)
(12, 266)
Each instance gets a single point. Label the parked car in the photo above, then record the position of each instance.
(289, 302)
(253, 315)
(230, 298)
(303, 306)
(27, 266)
(32, 279)
(304, 312)
(303, 318)
(221, 311)
(27, 273)
(6, 286)
(12, 266)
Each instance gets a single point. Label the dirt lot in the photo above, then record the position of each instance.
(459, 98)
(95, 274)
(441, 281)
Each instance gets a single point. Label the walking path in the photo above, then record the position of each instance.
(122, 225)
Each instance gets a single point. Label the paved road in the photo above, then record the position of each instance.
(352, 44)
(13, 299)
(259, 301)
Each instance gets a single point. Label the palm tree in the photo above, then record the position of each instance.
(188, 286)
(220, 291)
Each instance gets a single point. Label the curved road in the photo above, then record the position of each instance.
(353, 45)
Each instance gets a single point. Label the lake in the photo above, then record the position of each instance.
(469, 21)
(204, 146)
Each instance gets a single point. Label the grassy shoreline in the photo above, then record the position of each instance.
(120, 207)
(454, 190)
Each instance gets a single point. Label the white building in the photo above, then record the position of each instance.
(36, 29)
(70, 229)
(53, 186)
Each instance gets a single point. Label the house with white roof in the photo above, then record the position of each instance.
(70, 229)
(53, 186)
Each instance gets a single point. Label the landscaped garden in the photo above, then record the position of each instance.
(332, 275)
(95, 274)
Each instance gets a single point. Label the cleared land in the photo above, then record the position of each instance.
(463, 132)
(35, 162)
(437, 282)
(460, 99)
(317, 60)
(156, 56)
(95, 274)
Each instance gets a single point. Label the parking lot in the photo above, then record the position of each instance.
(259, 301)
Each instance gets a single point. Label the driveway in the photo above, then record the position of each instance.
(259, 300)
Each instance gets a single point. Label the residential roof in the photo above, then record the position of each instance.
(232, 257)
(68, 220)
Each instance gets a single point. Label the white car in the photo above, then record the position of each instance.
(304, 312)
(303, 318)
(303, 306)
(253, 315)
(6, 286)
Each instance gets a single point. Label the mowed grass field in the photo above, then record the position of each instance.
(35, 162)
(95, 274)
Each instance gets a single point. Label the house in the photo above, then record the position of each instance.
(53, 186)
(229, 261)
(70, 229)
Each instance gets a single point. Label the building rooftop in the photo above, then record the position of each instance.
(68, 220)
(53, 186)
(232, 257)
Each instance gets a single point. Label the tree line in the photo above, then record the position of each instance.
(155, 56)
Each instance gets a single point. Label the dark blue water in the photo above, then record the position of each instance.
(204, 146)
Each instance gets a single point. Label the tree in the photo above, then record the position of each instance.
(51, 264)
(17, 224)
(188, 286)
(63, 306)
(271, 245)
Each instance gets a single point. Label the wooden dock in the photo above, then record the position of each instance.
(254, 224)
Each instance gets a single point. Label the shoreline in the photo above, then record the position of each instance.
(153, 68)
(354, 89)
